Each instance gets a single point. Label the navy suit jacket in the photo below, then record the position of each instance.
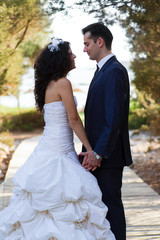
(106, 114)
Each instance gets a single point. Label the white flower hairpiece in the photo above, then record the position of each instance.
(54, 44)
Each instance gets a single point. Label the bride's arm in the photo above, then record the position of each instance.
(66, 93)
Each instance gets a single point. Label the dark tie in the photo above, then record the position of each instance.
(94, 77)
(95, 74)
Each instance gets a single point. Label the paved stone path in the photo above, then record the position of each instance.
(142, 204)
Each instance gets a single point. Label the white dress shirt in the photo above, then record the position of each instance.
(104, 60)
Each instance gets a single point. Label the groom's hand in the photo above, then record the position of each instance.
(90, 162)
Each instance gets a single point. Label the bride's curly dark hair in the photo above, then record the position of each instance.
(50, 66)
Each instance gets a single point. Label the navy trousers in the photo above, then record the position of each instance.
(110, 183)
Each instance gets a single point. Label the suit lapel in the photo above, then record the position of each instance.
(99, 76)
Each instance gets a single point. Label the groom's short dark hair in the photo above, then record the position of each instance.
(99, 30)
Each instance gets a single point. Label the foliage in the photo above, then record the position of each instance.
(143, 31)
(30, 49)
(136, 122)
(13, 119)
(54, 6)
(20, 21)
(144, 113)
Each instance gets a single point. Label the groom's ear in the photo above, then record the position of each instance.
(100, 42)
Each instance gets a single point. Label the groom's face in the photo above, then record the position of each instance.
(91, 47)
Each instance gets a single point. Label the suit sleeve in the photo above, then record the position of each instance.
(115, 97)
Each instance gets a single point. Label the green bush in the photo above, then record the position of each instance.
(137, 115)
(23, 120)
(134, 104)
(135, 121)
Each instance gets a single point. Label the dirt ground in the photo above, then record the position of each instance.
(145, 152)
(146, 158)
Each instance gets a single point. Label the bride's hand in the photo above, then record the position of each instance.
(89, 161)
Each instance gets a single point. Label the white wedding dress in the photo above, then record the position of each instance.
(55, 198)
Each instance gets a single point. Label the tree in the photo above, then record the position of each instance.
(20, 21)
(143, 31)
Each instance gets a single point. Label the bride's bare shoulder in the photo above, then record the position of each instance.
(59, 83)
(64, 82)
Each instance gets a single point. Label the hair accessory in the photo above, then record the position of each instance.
(53, 46)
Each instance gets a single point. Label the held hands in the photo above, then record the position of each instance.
(90, 162)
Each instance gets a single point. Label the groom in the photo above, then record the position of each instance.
(106, 123)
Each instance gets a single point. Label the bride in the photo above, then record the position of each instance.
(55, 198)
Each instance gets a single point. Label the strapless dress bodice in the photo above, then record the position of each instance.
(57, 131)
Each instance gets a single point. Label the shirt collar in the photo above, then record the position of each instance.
(104, 60)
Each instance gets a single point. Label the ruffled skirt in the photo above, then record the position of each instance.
(54, 198)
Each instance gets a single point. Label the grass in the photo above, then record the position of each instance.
(13, 110)
(81, 114)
